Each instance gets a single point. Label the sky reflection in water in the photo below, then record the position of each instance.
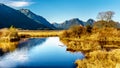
(44, 52)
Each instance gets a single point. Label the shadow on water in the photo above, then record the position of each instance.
(31, 43)
(1, 52)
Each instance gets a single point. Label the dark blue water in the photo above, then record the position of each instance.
(44, 53)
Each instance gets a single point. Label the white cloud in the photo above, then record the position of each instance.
(17, 3)
(20, 3)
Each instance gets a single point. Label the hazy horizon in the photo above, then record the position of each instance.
(61, 10)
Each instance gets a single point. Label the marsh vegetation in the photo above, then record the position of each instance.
(100, 46)
(99, 43)
(11, 37)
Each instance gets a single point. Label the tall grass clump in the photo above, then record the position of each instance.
(8, 39)
(74, 32)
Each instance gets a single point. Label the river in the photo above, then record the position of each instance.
(40, 53)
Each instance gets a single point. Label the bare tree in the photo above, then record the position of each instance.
(106, 16)
(101, 16)
(109, 15)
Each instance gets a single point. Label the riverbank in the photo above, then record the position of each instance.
(100, 46)
(11, 37)
(8, 40)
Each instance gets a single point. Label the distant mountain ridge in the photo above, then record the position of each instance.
(75, 21)
(10, 16)
(26, 19)
(90, 22)
(36, 18)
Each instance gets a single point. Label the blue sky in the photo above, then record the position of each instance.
(61, 10)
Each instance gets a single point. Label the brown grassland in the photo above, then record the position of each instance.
(11, 37)
(100, 45)
(38, 33)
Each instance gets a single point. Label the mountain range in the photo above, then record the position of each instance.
(36, 18)
(75, 21)
(26, 19)
(11, 17)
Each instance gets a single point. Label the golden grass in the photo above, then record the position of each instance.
(101, 47)
(101, 59)
(39, 33)
(9, 38)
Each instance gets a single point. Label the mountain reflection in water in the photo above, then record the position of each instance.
(41, 52)
(32, 42)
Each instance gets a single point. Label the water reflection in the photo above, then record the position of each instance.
(12, 59)
(7, 47)
(29, 43)
(41, 53)
(19, 52)
(50, 54)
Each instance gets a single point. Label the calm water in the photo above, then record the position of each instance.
(42, 53)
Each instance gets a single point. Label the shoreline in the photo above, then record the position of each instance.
(10, 38)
